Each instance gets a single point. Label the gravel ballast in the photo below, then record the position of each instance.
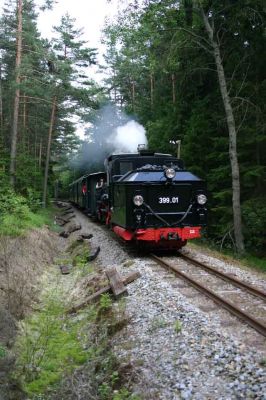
(179, 351)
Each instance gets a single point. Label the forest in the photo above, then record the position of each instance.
(190, 71)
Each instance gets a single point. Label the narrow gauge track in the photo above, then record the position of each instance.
(255, 323)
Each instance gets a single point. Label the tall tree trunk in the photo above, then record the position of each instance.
(40, 154)
(1, 105)
(232, 135)
(152, 89)
(173, 88)
(14, 133)
(48, 151)
(133, 96)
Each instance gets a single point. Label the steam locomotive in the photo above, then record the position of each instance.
(147, 197)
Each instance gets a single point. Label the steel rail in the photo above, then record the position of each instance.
(234, 281)
(246, 317)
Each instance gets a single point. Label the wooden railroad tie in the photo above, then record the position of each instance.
(116, 286)
(116, 282)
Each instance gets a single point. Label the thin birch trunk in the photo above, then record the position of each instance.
(48, 152)
(133, 95)
(14, 133)
(1, 104)
(232, 136)
(173, 88)
(40, 154)
(152, 89)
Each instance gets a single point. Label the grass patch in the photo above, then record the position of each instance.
(178, 326)
(254, 262)
(2, 352)
(157, 323)
(17, 224)
(49, 346)
(248, 260)
(59, 354)
(80, 254)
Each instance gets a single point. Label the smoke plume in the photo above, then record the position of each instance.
(126, 138)
(111, 132)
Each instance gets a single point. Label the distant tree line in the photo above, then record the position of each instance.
(190, 71)
(42, 85)
(195, 71)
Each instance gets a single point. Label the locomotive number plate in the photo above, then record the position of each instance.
(168, 200)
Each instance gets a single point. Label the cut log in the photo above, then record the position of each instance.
(94, 254)
(65, 269)
(87, 235)
(60, 220)
(116, 282)
(70, 211)
(94, 297)
(61, 204)
(71, 228)
(83, 237)
(70, 216)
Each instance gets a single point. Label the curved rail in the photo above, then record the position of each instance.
(246, 317)
(234, 281)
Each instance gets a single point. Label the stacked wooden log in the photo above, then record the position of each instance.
(117, 287)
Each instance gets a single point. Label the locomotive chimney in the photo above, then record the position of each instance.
(143, 151)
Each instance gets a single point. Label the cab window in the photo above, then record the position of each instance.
(125, 166)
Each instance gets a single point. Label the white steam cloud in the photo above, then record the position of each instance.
(111, 132)
(126, 138)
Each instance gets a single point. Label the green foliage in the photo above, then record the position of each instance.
(46, 73)
(256, 262)
(48, 347)
(2, 352)
(157, 323)
(16, 217)
(124, 394)
(16, 212)
(263, 362)
(178, 326)
(105, 302)
(160, 47)
(53, 345)
(11, 203)
(80, 258)
(33, 199)
(254, 216)
(107, 393)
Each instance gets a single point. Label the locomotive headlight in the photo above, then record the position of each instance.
(138, 200)
(169, 173)
(201, 199)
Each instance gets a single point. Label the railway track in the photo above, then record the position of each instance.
(257, 323)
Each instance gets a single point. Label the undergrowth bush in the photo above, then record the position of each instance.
(18, 213)
(48, 347)
(34, 199)
(2, 351)
(66, 356)
(254, 216)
